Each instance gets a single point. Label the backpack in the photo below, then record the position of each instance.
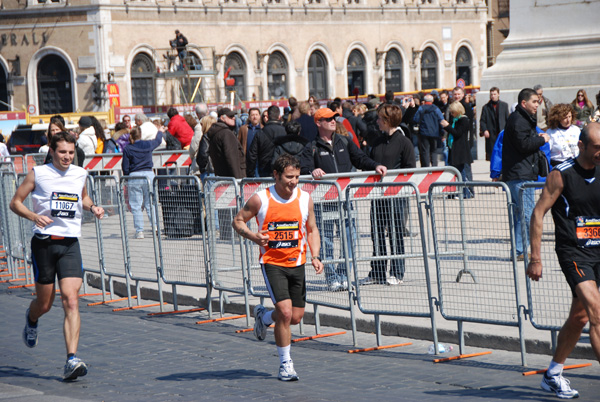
(172, 142)
(110, 147)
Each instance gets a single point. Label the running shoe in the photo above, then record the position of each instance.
(139, 235)
(560, 386)
(287, 372)
(393, 281)
(30, 334)
(260, 328)
(371, 281)
(335, 286)
(74, 368)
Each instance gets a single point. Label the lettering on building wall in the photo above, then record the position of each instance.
(14, 40)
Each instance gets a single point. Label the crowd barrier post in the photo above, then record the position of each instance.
(26, 227)
(31, 160)
(91, 240)
(547, 309)
(395, 207)
(136, 195)
(178, 207)
(20, 166)
(16, 250)
(108, 234)
(6, 169)
(226, 249)
(480, 232)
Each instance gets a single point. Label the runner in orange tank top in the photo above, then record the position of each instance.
(286, 222)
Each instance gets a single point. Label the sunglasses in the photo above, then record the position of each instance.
(328, 119)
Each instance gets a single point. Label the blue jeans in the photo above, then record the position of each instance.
(139, 194)
(528, 205)
(467, 175)
(327, 217)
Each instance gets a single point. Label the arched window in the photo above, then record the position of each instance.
(142, 80)
(54, 85)
(356, 73)
(393, 71)
(317, 75)
(3, 89)
(238, 73)
(429, 69)
(463, 65)
(277, 74)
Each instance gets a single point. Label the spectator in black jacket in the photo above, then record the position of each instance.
(459, 155)
(292, 143)
(330, 153)
(261, 149)
(494, 115)
(520, 158)
(394, 151)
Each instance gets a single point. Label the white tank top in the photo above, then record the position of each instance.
(57, 195)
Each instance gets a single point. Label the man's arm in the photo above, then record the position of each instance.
(249, 211)
(361, 161)
(552, 190)
(17, 206)
(313, 238)
(307, 161)
(525, 142)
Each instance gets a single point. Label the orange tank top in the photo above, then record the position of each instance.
(285, 222)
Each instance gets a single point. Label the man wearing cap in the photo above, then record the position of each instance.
(180, 42)
(87, 136)
(330, 153)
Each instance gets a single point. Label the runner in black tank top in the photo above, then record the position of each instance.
(572, 190)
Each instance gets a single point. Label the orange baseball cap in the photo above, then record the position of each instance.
(325, 113)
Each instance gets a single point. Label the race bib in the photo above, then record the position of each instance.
(283, 234)
(588, 231)
(63, 205)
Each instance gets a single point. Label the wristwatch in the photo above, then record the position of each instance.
(316, 258)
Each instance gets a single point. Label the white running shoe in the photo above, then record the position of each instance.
(287, 372)
(560, 386)
(393, 281)
(139, 235)
(74, 368)
(260, 328)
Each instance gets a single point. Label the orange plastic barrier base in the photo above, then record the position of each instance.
(12, 280)
(136, 307)
(308, 338)
(573, 366)
(447, 359)
(379, 348)
(93, 294)
(110, 301)
(22, 286)
(235, 317)
(240, 331)
(5, 275)
(178, 311)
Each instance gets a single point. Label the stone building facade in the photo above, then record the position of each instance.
(58, 55)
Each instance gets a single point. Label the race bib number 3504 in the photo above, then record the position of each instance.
(588, 231)
(63, 205)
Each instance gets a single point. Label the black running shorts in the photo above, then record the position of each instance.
(52, 258)
(577, 272)
(286, 283)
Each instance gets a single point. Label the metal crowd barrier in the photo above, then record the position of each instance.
(547, 298)
(14, 231)
(189, 231)
(227, 273)
(475, 257)
(182, 241)
(390, 211)
(140, 265)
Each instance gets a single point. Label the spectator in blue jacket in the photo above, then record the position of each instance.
(137, 162)
(428, 117)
